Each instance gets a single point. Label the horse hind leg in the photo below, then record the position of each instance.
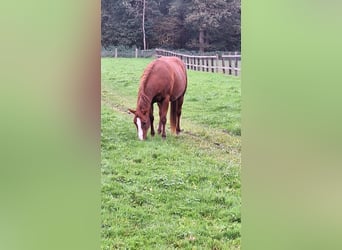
(179, 112)
(151, 120)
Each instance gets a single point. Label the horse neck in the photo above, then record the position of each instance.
(145, 99)
(144, 102)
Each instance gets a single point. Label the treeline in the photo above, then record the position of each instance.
(203, 25)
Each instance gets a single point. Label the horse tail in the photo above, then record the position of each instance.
(173, 115)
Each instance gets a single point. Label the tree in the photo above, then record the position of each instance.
(173, 24)
(169, 32)
(119, 23)
(143, 23)
(206, 15)
(228, 35)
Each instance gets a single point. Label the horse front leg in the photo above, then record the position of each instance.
(151, 120)
(160, 122)
(162, 115)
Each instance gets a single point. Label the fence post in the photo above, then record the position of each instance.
(223, 66)
(217, 64)
(236, 64)
(115, 52)
(136, 52)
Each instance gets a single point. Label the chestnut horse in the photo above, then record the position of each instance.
(164, 80)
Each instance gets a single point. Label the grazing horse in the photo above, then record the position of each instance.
(164, 80)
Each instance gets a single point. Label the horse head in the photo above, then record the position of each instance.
(142, 122)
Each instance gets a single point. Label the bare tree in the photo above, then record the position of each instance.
(143, 23)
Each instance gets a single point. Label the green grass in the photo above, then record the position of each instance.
(211, 99)
(178, 193)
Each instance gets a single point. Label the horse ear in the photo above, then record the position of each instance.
(132, 111)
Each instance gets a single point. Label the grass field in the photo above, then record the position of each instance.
(178, 193)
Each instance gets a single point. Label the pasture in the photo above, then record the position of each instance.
(179, 193)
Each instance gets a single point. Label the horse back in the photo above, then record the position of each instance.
(177, 73)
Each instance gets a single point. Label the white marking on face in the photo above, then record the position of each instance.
(140, 132)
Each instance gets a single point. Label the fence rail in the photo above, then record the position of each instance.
(127, 52)
(226, 64)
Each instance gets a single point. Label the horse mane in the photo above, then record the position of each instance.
(144, 100)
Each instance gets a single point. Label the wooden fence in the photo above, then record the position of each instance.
(226, 64)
